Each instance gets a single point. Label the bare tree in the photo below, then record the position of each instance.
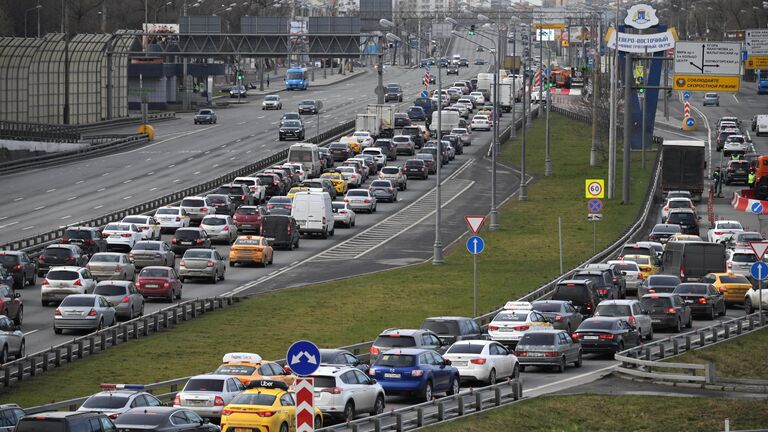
(6, 24)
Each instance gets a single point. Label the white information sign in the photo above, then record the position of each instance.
(756, 41)
(641, 43)
(707, 58)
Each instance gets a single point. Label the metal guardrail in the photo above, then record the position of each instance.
(22, 131)
(42, 361)
(40, 240)
(646, 361)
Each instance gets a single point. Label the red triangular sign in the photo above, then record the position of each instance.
(475, 223)
(759, 248)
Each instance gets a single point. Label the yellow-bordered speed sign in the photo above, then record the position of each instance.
(595, 188)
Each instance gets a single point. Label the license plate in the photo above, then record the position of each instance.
(243, 430)
(656, 321)
(186, 242)
(506, 329)
(535, 354)
(391, 375)
(152, 285)
(689, 301)
(590, 338)
(459, 363)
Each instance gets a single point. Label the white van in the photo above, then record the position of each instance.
(308, 156)
(762, 125)
(313, 212)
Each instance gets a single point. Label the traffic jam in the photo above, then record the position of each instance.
(94, 277)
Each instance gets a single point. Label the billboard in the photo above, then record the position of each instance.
(159, 34)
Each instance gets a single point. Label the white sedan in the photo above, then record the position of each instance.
(482, 360)
(350, 175)
(149, 226)
(343, 215)
(171, 218)
(478, 97)
(480, 122)
(363, 137)
(675, 203)
(361, 199)
(723, 229)
(121, 235)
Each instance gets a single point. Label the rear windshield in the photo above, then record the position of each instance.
(465, 348)
(636, 250)
(167, 211)
(734, 279)
(596, 279)
(381, 183)
(105, 258)
(511, 316)
(547, 307)
(135, 220)
(390, 170)
(538, 339)
(9, 259)
(683, 217)
(247, 211)
(656, 302)
(340, 146)
(324, 381)
(56, 252)
(664, 280)
(217, 199)
(728, 225)
(117, 227)
(266, 179)
(247, 182)
(362, 193)
(280, 200)
(214, 221)
(576, 293)
(33, 424)
(77, 301)
(261, 399)
(231, 190)
(145, 417)
(744, 257)
(183, 234)
(414, 163)
(154, 272)
(387, 341)
(613, 310)
(749, 237)
(235, 370)
(78, 234)
(205, 254)
(146, 246)
(105, 402)
(395, 360)
(628, 267)
(596, 324)
(204, 384)
(639, 259)
(109, 290)
(62, 275)
(691, 289)
(192, 202)
(669, 229)
(441, 327)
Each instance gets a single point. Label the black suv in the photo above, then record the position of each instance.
(737, 171)
(393, 92)
(20, 267)
(581, 293)
(60, 255)
(188, 238)
(291, 129)
(272, 184)
(688, 221)
(66, 421)
(223, 204)
(89, 239)
(239, 193)
(452, 328)
(452, 69)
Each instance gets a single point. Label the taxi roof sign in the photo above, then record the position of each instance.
(241, 357)
(518, 305)
(267, 384)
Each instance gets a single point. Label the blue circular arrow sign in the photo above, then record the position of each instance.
(689, 121)
(303, 357)
(475, 245)
(686, 95)
(756, 208)
(759, 270)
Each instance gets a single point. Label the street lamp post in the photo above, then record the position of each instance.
(37, 8)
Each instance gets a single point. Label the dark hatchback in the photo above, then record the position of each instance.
(607, 335)
(667, 311)
(602, 281)
(22, 269)
(662, 232)
(688, 221)
(89, 239)
(272, 184)
(161, 419)
(238, 193)
(451, 328)
(416, 113)
(702, 298)
(658, 284)
(415, 168)
(281, 231)
(221, 203)
(402, 119)
(188, 238)
(60, 255)
(581, 293)
(280, 205)
(340, 151)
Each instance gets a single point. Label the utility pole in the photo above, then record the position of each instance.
(627, 126)
(595, 101)
(494, 222)
(612, 133)
(541, 70)
(547, 158)
(437, 248)
(514, 80)
(523, 196)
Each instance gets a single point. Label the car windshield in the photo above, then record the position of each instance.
(575, 293)
(105, 258)
(613, 310)
(167, 211)
(77, 301)
(272, 98)
(217, 199)
(214, 221)
(109, 290)
(396, 360)
(307, 102)
(663, 280)
(639, 259)
(691, 289)
(187, 234)
(357, 193)
(135, 219)
(465, 348)
(248, 241)
(547, 307)
(261, 399)
(749, 237)
(414, 163)
(204, 385)
(146, 246)
(8, 259)
(596, 324)
(108, 402)
(77, 234)
(154, 272)
(62, 275)
(292, 123)
(381, 183)
(57, 252)
(395, 341)
(204, 254)
(144, 417)
(117, 227)
(666, 229)
(520, 315)
(536, 339)
(205, 112)
(656, 302)
(744, 257)
(192, 202)
(736, 279)
(243, 370)
(338, 206)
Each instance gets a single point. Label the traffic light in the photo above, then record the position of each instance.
(239, 75)
(472, 30)
(639, 82)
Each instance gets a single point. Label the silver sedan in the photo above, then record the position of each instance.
(152, 253)
(123, 296)
(361, 199)
(202, 263)
(220, 228)
(83, 312)
(111, 265)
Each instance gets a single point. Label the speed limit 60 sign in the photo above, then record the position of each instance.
(595, 188)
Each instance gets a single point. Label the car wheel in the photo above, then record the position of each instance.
(690, 322)
(22, 350)
(318, 422)
(579, 361)
(349, 412)
(649, 336)
(4, 355)
(378, 407)
(711, 313)
(283, 427)
(178, 295)
(561, 365)
(677, 326)
(19, 316)
(215, 278)
(492, 377)
(722, 310)
(455, 386)
(100, 325)
(426, 394)
(231, 263)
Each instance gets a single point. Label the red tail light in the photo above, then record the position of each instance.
(57, 312)
(177, 400)
(173, 240)
(520, 328)
(226, 412)
(210, 263)
(143, 228)
(551, 354)
(558, 317)
(118, 269)
(367, 201)
(670, 310)
(521, 353)
(125, 235)
(78, 283)
(576, 336)
(276, 184)
(105, 234)
(92, 312)
(182, 263)
(603, 291)
(70, 258)
(178, 219)
(640, 276)
(730, 264)
(478, 361)
(719, 233)
(125, 299)
(632, 320)
(375, 351)
(242, 197)
(114, 416)
(493, 327)
(89, 242)
(606, 336)
(702, 300)
(166, 285)
(289, 229)
(42, 258)
(332, 390)
(199, 241)
(17, 267)
(218, 401)
(682, 273)
(265, 413)
(203, 209)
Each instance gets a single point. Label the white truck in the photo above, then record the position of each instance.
(368, 122)
(485, 84)
(506, 101)
(448, 120)
(385, 117)
(518, 85)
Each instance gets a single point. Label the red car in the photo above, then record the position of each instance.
(11, 305)
(158, 281)
(248, 218)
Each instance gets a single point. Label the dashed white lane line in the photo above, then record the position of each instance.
(242, 123)
(18, 199)
(79, 182)
(50, 190)
(3, 218)
(66, 217)
(127, 181)
(39, 208)
(31, 332)
(98, 207)
(177, 180)
(150, 173)
(248, 151)
(128, 197)
(105, 174)
(274, 123)
(8, 224)
(101, 190)
(196, 173)
(260, 117)
(71, 198)
(189, 159)
(28, 228)
(171, 165)
(215, 165)
(233, 158)
(154, 188)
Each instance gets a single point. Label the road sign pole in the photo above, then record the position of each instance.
(594, 237)
(560, 240)
(474, 265)
(627, 127)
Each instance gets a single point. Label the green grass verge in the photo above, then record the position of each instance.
(616, 413)
(741, 357)
(356, 309)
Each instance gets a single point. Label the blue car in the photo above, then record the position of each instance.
(419, 373)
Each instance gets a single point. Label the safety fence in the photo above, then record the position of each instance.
(31, 365)
(21, 131)
(36, 242)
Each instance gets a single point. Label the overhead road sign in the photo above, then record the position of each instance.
(707, 58)
(555, 26)
(756, 62)
(475, 245)
(595, 188)
(707, 83)
(545, 35)
(303, 358)
(759, 248)
(756, 42)
(641, 43)
(475, 223)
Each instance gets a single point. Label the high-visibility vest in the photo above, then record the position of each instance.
(751, 178)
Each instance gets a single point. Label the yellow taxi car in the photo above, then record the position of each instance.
(352, 143)
(338, 181)
(645, 263)
(733, 286)
(292, 192)
(517, 318)
(266, 406)
(250, 250)
(249, 367)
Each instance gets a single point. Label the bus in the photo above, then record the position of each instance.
(296, 79)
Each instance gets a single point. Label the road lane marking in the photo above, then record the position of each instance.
(150, 173)
(154, 188)
(196, 173)
(260, 117)
(215, 165)
(50, 190)
(98, 207)
(242, 123)
(101, 190)
(171, 165)
(79, 182)
(18, 199)
(105, 174)
(128, 197)
(189, 159)
(176, 181)
(4, 217)
(39, 208)
(127, 181)
(28, 228)
(734, 97)
(31, 332)
(8, 224)
(66, 217)
(71, 198)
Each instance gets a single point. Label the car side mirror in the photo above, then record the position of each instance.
(372, 381)
(16, 295)
(446, 362)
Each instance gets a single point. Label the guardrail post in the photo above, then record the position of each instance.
(478, 401)
(174, 388)
(80, 348)
(165, 319)
(738, 327)
(113, 337)
(440, 411)
(377, 424)
(125, 332)
(184, 312)
(675, 347)
(135, 326)
(175, 316)
(709, 373)
(726, 331)
(355, 427)
(496, 396)
(32, 366)
(193, 310)
(714, 334)
(751, 323)
(6, 377)
(103, 341)
(57, 357)
(20, 371)
(145, 326)
(398, 422)
(517, 389)
(461, 406)
(69, 353)
(419, 417)
(648, 354)
(702, 339)
(91, 344)
(687, 342)
(156, 323)
(202, 306)
(45, 361)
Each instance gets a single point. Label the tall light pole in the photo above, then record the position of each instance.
(37, 8)
(380, 64)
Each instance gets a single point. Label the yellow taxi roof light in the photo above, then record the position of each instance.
(518, 305)
(241, 357)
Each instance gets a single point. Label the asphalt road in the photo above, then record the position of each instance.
(184, 154)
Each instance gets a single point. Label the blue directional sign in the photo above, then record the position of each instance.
(475, 245)
(759, 270)
(424, 93)
(686, 95)
(689, 121)
(426, 67)
(303, 358)
(756, 208)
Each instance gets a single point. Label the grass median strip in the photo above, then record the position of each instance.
(741, 357)
(518, 258)
(595, 413)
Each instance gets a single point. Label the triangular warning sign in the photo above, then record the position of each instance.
(475, 223)
(759, 248)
